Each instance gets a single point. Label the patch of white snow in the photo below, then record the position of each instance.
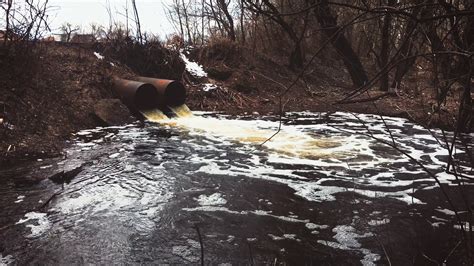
(193, 68)
(99, 56)
(209, 87)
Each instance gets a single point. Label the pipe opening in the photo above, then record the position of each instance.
(175, 94)
(146, 97)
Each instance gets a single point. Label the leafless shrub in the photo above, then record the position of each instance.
(24, 25)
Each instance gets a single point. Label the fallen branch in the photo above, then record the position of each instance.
(370, 99)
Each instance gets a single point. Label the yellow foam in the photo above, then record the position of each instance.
(181, 111)
(154, 115)
(294, 144)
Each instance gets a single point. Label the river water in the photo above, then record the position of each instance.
(324, 190)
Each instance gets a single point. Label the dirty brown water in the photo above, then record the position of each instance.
(319, 192)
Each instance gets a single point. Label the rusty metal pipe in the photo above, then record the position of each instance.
(171, 92)
(138, 95)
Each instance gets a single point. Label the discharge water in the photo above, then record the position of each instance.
(285, 141)
(324, 190)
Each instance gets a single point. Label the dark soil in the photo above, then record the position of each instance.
(259, 80)
(42, 105)
(41, 110)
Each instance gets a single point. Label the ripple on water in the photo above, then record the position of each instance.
(136, 172)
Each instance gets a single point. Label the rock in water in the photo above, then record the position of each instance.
(66, 173)
(112, 112)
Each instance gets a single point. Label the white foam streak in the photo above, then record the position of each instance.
(297, 145)
(40, 225)
(212, 200)
(346, 238)
(7, 260)
(256, 212)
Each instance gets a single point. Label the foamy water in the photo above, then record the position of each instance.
(288, 141)
(145, 182)
(340, 150)
(346, 150)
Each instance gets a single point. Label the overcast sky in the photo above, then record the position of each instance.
(84, 12)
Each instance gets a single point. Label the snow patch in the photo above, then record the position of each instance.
(193, 68)
(209, 87)
(99, 56)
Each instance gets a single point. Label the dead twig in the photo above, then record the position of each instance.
(50, 199)
(384, 250)
(201, 244)
(250, 254)
(451, 252)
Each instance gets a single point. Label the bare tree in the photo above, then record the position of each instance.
(7, 7)
(229, 21)
(242, 17)
(186, 21)
(268, 9)
(98, 31)
(137, 22)
(328, 21)
(385, 42)
(67, 30)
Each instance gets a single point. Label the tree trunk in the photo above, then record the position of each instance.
(178, 12)
(466, 65)
(216, 17)
(296, 57)
(466, 110)
(230, 27)
(137, 21)
(242, 13)
(7, 22)
(329, 26)
(186, 20)
(385, 51)
(406, 50)
(202, 22)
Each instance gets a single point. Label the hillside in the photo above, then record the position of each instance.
(55, 97)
